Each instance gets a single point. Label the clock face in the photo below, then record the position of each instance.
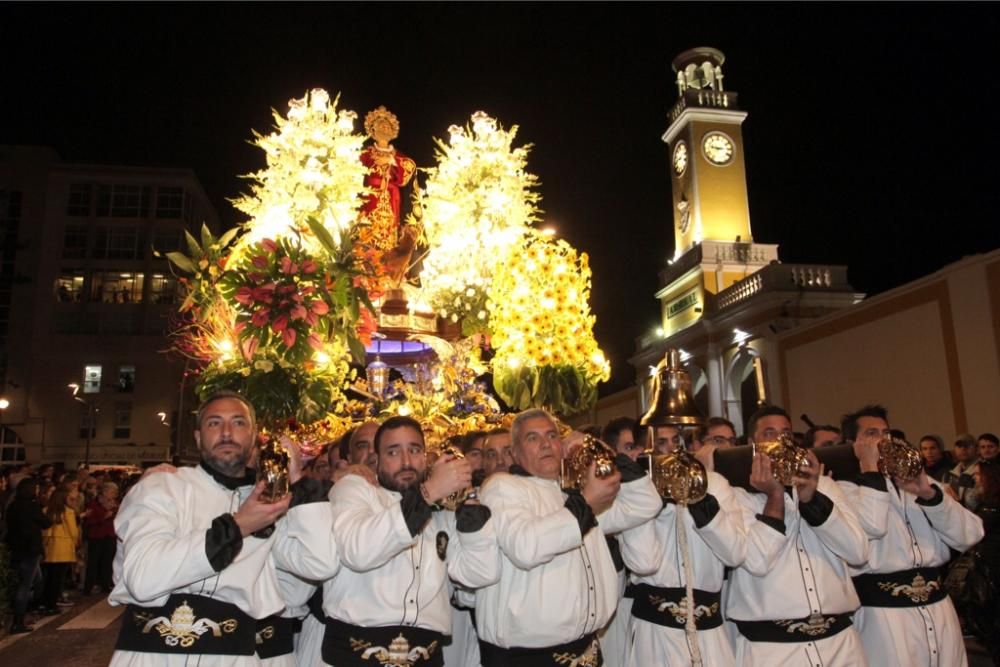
(718, 148)
(680, 158)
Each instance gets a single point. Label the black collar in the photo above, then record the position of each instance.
(515, 469)
(231, 483)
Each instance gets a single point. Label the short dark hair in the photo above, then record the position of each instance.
(712, 423)
(849, 422)
(393, 423)
(809, 441)
(989, 437)
(344, 445)
(614, 428)
(470, 439)
(766, 411)
(593, 430)
(936, 439)
(222, 394)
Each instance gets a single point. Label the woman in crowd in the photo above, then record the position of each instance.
(60, 540)
(99, 527)
(25, 522)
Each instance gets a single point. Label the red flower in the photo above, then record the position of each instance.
(297, 312)
(260, 317)
(288, 266)
(249, 347)
(269, 245)
(315, 342)
(222, 261)
(288, 337)
(310, 266)
(244, 295)
(311, 318)
(259, 261)
(319, 307)
(263, 294)
(280, 323)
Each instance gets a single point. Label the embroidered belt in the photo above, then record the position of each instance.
(811, 628)
(669, 607)
(906, 588)
(347, 645)
(276, 636)
(188, 624)
(583, 652)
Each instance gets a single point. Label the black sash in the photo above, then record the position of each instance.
(663, 606)
(346, 645)
(276, 636)
(188, 625)
(584, 652)
(315, 605)
(906, 588)
(809, 629)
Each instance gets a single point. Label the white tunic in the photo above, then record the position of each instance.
(806, 574)
(905, 535)
(653, 553)
(555, 586)
(389, 577)
(161, 527)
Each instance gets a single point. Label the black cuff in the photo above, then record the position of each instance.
(817, 510)
(416, 511)
(470, 518)
(777, 524)
(307, 490)
(629, 469)
(223, 541)
(704, 510)
(936, 500)
(579, 508)
(873, 480)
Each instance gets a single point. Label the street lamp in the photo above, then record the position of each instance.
(90, 421)
(4, 404)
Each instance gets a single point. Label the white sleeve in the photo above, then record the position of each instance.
(642, 552)
(305, 545)
(959, 528)
(841, 533)
(367, 533)
(871, 506)
(636, 503)
(476, 561)
(725, 533)
(764, 542)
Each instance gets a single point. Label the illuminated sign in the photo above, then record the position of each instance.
(680, 305)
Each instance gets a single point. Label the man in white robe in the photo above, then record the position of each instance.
(390, 599)
(558, 585)
(906, 617)
(792, 604)
(196, 562)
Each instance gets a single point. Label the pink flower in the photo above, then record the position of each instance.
(256, 277)
(288, 337)
(298, 312)
(280, 323)
(288, 266)
(259, 261)
(249, 347)
(260, 317)
(319, 307)
(309, 266)
(244, 295)
(263, 294)
(315, 342)
(311, 318)
(269, 245)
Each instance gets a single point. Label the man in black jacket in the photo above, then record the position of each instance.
(25, 522)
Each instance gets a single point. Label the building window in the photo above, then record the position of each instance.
(78, 204)
(118, 242)
(88, 418)
(75, 242)
(169, 202)
(69, 286)
(163, 289)
(123, 201)
(123, 420)
(91, 379)
(126, 379)
(11, 453)
(167, 240)
(115, 287)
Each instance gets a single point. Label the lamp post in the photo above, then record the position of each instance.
(4, 404)
(90, 422)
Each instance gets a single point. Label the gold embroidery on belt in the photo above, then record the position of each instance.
(266, 633)
(918, 590)
(398, 654)
(586, 659)
(680, 610)
(181, 629)
(815, 625)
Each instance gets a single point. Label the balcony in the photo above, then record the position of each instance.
(785, 278)
(703, 99)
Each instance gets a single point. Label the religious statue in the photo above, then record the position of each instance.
(388, 172)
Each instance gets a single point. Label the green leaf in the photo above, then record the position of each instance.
(193, 247)
(357, 348)
(206, 237)
(227, 238)
(322, 234)
(182, 262)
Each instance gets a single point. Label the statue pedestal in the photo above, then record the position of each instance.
(398, 322)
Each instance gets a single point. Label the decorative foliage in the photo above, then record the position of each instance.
(546, 355)
(477, 202)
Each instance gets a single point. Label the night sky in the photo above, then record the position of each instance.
(872, 137)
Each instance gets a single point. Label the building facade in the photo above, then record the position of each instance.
(86, 302)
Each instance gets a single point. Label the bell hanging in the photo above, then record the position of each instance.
(672, 403)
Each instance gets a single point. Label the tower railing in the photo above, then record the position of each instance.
(703, 98)
(784, 278)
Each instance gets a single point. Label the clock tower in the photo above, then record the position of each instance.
(713, 243)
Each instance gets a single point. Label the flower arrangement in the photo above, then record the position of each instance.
(477, 202)
(542, 328)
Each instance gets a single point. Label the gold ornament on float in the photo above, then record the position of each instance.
(899, 459)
